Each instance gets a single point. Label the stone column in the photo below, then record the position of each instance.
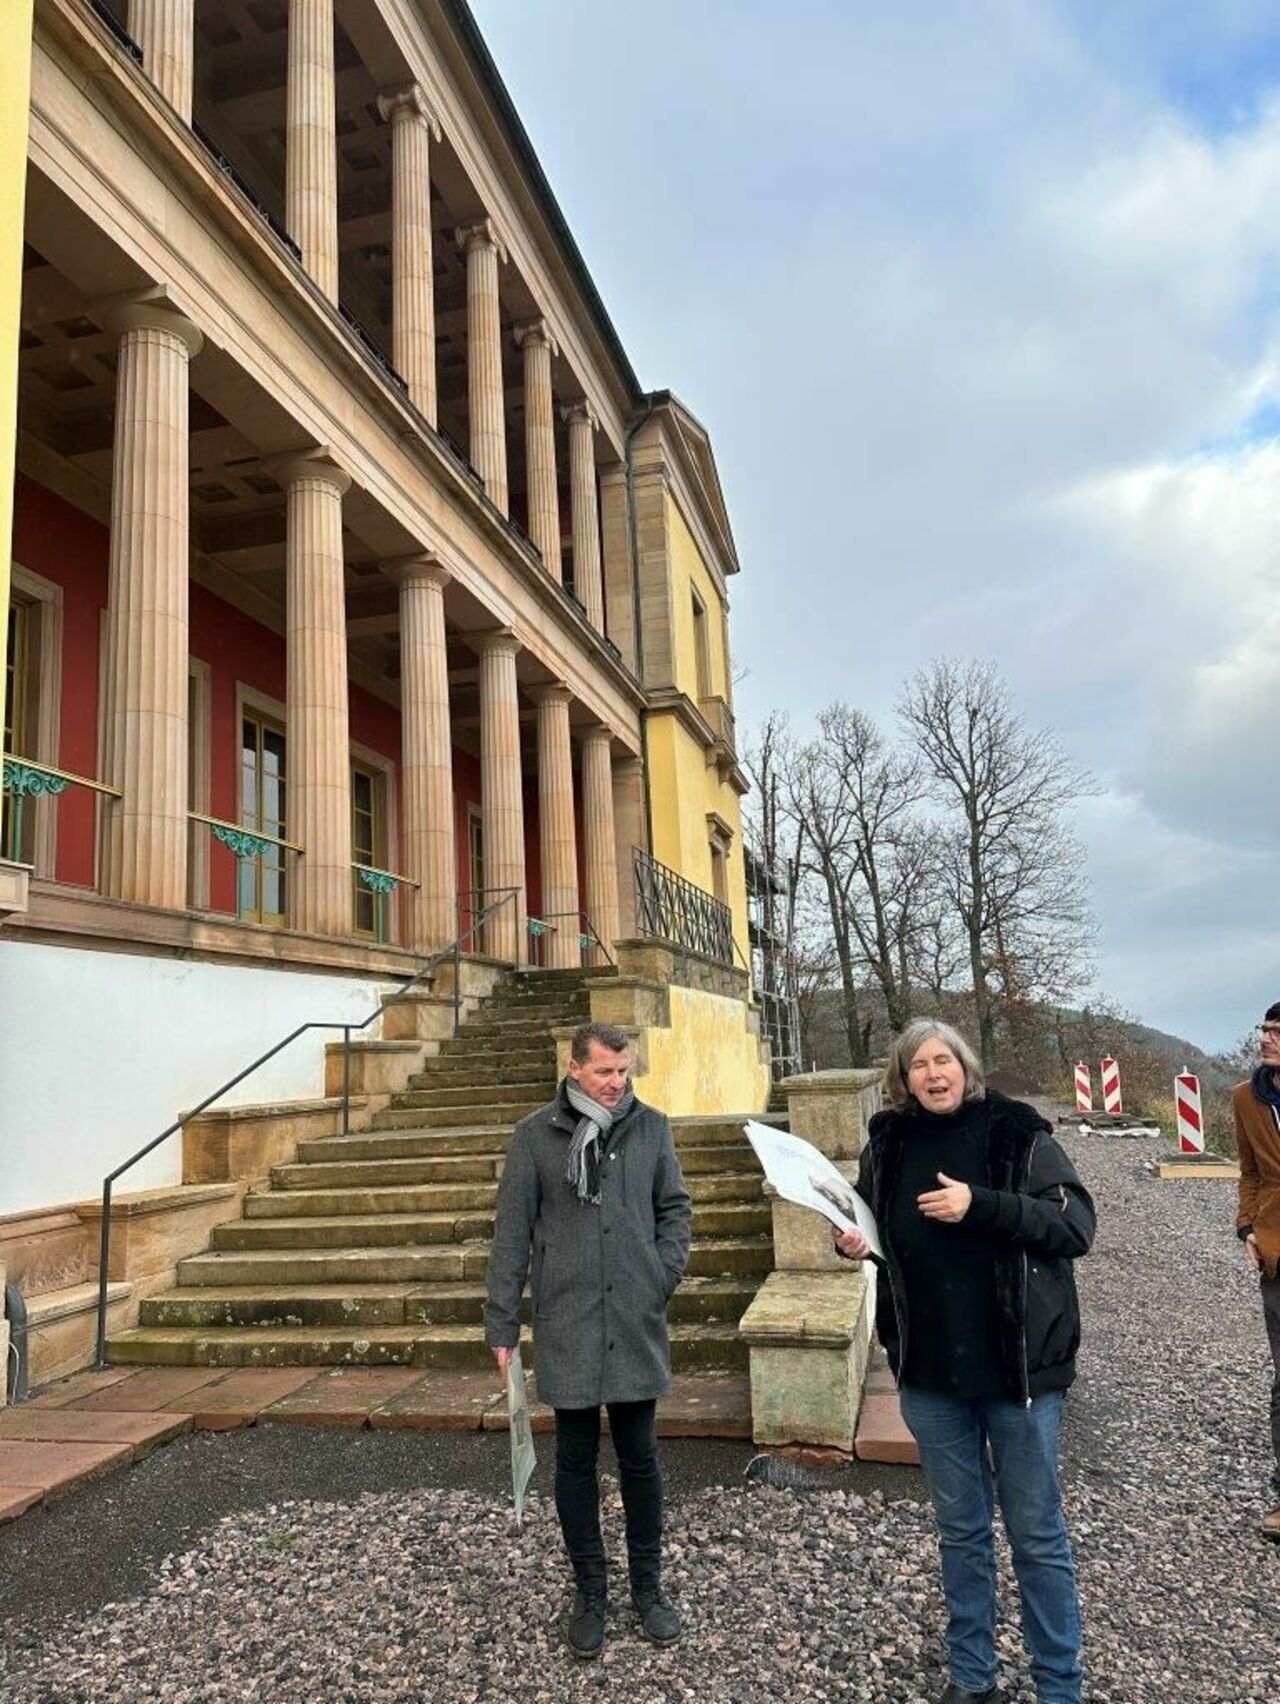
(558, 837)
(165, 31)
(484, 360)
(413, 312)
(311, 142)
(145, 697)
(598, 835)
(630, 830)
(501, 798)
(588, 580)
(540, 443)
(426, 762)
(319, 759)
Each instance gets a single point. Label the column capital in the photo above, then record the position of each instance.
(496, 641)
(580, 412)
(535, 331)
(405, 103)
(480, 234)
(551, 692)
(153, 309)
(317, 463)
(596, 733)
(422, 568)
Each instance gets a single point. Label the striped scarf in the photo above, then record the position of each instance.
(583, 1170)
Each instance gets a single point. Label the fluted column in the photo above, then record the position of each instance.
(413, 312)
(501, 796)
(311, 141)
(556, 831)
(319, 763)
(539, 346)
(630, 830)
(588, 581)
(484, 360)
(599, 841)
(426, 763)
(165, 31)
(145, 734)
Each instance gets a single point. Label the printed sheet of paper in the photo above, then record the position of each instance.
(800, 1173)
(523, 1458)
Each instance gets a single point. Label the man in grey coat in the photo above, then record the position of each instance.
(592, 1191)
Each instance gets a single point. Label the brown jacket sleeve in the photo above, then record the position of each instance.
(1247, 1201)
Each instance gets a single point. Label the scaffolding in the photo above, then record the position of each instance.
(772, 967)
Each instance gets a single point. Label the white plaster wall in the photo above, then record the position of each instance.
(99, 1051)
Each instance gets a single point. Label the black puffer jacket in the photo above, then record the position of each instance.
(1039, 1217)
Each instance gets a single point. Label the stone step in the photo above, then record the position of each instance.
(372, 1174)
(448, 1302)
(406, 1145)
(693, 1347)
(530, 1092)
(535, 1061)
(349, 1231)
(414, 1261)
(722, 1157)
(399, 1198)
(452, 1117)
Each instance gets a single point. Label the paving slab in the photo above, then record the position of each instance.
(237, 1399)
(345, 1397)
(78, 1386)
(715, 1405)
(442, 1402)
(882, 1432)
(15, 1500)
(541, 1418)
(74, 1426)
(157, 1388)
(57, 1468)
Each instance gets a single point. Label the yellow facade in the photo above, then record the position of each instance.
(686, 788)
(15, 56)
(707, 1061)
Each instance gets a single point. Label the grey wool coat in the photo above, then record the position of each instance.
(602, 1275)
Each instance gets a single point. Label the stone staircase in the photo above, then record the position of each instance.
(370, 1249)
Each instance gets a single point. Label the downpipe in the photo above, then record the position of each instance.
(15, 1309)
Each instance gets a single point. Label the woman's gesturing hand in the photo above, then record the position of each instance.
(852, 1244)
(948, 1204)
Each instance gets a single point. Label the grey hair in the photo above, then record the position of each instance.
(908, 1042)
(610, 1036)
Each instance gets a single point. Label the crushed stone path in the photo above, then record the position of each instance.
(802, 1595)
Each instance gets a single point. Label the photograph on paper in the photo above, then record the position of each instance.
(800, 1173)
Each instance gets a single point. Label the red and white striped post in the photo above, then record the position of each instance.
(1186, 1100)
(1084, 1088)
(1111, 1101)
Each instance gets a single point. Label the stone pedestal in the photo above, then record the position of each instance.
(15, 882)
(426, 759)
(311, 141)
(485, 403)
(801, 1237)
(809, 1335)
(588, 579)
(144, 848)
(501, 794)
(831, 1109)
(540, 443)
(413, 316)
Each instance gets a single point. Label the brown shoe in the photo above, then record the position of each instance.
(1269, 1526)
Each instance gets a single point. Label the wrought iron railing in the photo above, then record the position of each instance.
(427, 974)
(591, 947)
(244, 189)
(115, 28)
(671, 908)
(23, 779)
(381, 884)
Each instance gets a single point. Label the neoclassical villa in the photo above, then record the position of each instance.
(362, 600)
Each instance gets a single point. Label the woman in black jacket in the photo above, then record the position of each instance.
(980, 1215)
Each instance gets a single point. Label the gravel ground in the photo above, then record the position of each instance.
(802, 1595)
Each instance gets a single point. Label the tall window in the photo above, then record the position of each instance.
(701, 646)
(475, 869)
(17, 826)
(368, 846)
(263, 785)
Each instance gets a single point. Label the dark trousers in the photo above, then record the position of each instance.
(634, 1430)
(1271, 1313)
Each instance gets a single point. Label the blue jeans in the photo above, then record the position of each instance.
(953, 1436)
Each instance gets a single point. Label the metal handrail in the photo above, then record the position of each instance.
(452, 951)
(669, 907)
(233, 832)
(586, 930)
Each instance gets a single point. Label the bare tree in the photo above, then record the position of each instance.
(1013, 870)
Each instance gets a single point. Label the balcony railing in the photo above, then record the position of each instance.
(23, 779)
(670, 908)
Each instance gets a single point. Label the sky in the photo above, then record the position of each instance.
(979, 305)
